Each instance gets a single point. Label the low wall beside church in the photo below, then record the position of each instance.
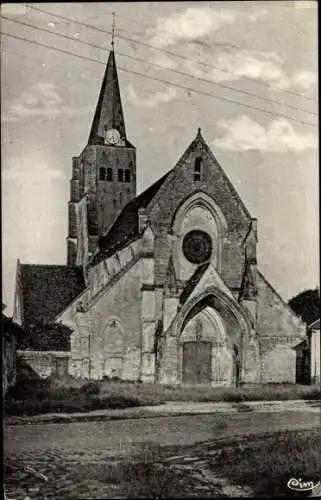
(46, 363)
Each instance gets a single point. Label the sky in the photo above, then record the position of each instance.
(239, 59)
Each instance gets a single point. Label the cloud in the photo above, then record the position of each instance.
(198, 23)
(194, 29)
(153, 100)
(192, 24)
(41, 99)
(257, 15)
(227, 66)
(252, 64)
(164, 61)
(30, 170)
(244, 134)
(304, 79)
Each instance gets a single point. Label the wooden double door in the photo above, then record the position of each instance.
(197, 362)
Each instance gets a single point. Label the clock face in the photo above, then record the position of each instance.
(112, 136)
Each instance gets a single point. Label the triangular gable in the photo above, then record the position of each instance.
(204, 277)
(199, 140)
(272, 290)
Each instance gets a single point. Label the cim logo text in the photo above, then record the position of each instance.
(300, 485)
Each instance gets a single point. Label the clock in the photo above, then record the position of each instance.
(112, 136)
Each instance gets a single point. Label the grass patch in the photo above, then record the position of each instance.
(262, 463)
(32, 395)
(155, 393)
(144, 476)
(265, 464)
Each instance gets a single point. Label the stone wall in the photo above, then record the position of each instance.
(119, 303)
(315, 357)
(279, 331)
(274, 317)
(46, 363)
(278, 359)
(106, 199)
(178, 186)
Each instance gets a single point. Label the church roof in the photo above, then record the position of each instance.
(109, 111)
(48, 289)
(125, 228)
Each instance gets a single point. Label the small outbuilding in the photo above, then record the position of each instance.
(314, 351)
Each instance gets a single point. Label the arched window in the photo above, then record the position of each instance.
(198, 169)
(109, 174)
(120, 175)
(102, 174)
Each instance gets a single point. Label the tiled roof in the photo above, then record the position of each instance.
(125, 228)
(47, 290)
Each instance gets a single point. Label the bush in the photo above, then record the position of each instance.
(69, 405)
(65, 393)
(25, 407)
(114, 402)
(29, 389)
(91, 388)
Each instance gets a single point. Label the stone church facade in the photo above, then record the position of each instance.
(165, 286)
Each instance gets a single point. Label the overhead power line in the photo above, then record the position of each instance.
(167, 52)
(181, 73)
(144, 25)
(166, 82)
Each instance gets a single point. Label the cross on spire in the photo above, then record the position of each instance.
(113, 31)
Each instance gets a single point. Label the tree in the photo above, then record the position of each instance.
(307, 305)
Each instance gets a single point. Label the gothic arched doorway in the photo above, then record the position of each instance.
(211, 333)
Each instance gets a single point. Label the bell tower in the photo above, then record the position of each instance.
(104, 175)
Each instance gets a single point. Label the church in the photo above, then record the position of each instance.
(163, 287)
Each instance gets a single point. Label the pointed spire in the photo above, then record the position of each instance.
(109, 111)
(248, 287)
(171, 282)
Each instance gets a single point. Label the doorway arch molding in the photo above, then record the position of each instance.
(220, 301)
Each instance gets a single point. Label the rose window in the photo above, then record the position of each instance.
(197, 246)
